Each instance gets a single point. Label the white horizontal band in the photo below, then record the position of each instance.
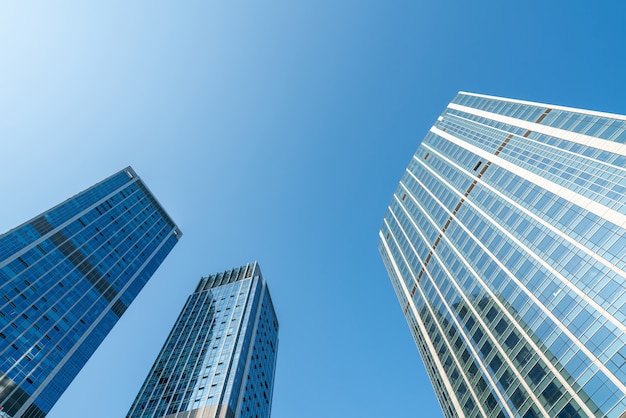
(589, 141)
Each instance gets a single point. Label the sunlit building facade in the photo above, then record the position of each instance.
(220, 357)
(505, 242)
(66, 277)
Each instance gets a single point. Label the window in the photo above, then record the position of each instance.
(568, 412)
(495, 363)
(551, 393)
(491, 315)
(501, 326)
(512, 340)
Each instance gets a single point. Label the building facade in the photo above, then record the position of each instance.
(505, 242)
(220, 356)
(66, 277)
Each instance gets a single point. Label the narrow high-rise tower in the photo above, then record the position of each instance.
(66, 277)
(506, 245)
(220, 357)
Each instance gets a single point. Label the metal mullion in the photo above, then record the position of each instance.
(471, 306)
(433, 354)
(46, 293)
(564, 329)
(92, 327)
(459, 327)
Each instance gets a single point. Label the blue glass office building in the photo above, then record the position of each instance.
(220, 357)
(505, 242)
(66, 277)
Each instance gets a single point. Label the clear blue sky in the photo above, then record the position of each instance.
(274, 131)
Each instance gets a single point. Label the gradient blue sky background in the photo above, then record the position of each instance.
(274, 131)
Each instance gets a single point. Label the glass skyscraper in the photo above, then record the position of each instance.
(505, 242)
(220, 357)
(66, 277)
